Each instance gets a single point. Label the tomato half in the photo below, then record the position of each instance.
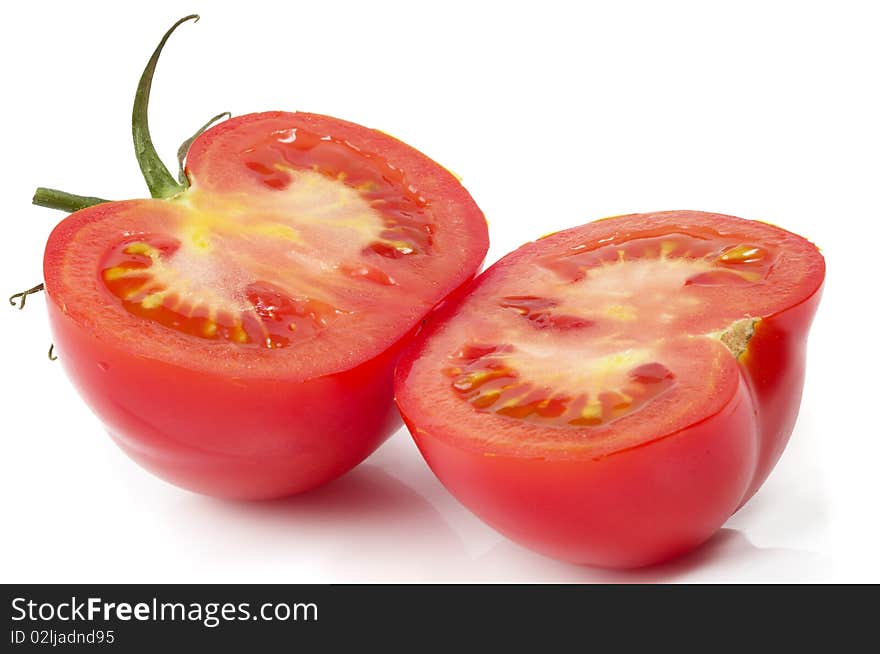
(238, 339)
(611, 394)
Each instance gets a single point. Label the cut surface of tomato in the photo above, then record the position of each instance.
(305, 245)
(607, 336)
(593, 343)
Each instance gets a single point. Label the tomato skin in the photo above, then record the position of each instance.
(253, 439)
(632, 508)
(774, 366)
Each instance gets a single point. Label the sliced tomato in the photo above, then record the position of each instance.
(239, 337)
(607, 348)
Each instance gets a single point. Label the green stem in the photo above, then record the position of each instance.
(23, 296)
(55, 199)
(160, 182)
(184, 147)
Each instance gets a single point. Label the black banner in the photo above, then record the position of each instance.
(250, 618)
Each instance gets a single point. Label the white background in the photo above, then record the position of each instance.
(554, 113)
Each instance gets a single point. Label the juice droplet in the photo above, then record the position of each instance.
(651, 373)
(723, 277)
(743, 254)
(540, 312)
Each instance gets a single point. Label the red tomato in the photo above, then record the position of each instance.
(238, 339)
(611, 394)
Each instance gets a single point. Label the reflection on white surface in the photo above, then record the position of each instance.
(389, 520)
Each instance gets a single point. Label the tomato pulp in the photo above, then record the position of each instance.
(237, 335)
(612, 393)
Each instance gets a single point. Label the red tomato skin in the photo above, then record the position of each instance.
(774, 366)
(629, 509)
(212, 434)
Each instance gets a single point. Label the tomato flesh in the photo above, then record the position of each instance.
(142, 275)
(305, 248)
(601, 340)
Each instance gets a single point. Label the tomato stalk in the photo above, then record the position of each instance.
(160, 181)
(22, 300)
(69, 202)
(22, 297)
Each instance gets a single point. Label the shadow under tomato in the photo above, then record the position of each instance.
(365, 526)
